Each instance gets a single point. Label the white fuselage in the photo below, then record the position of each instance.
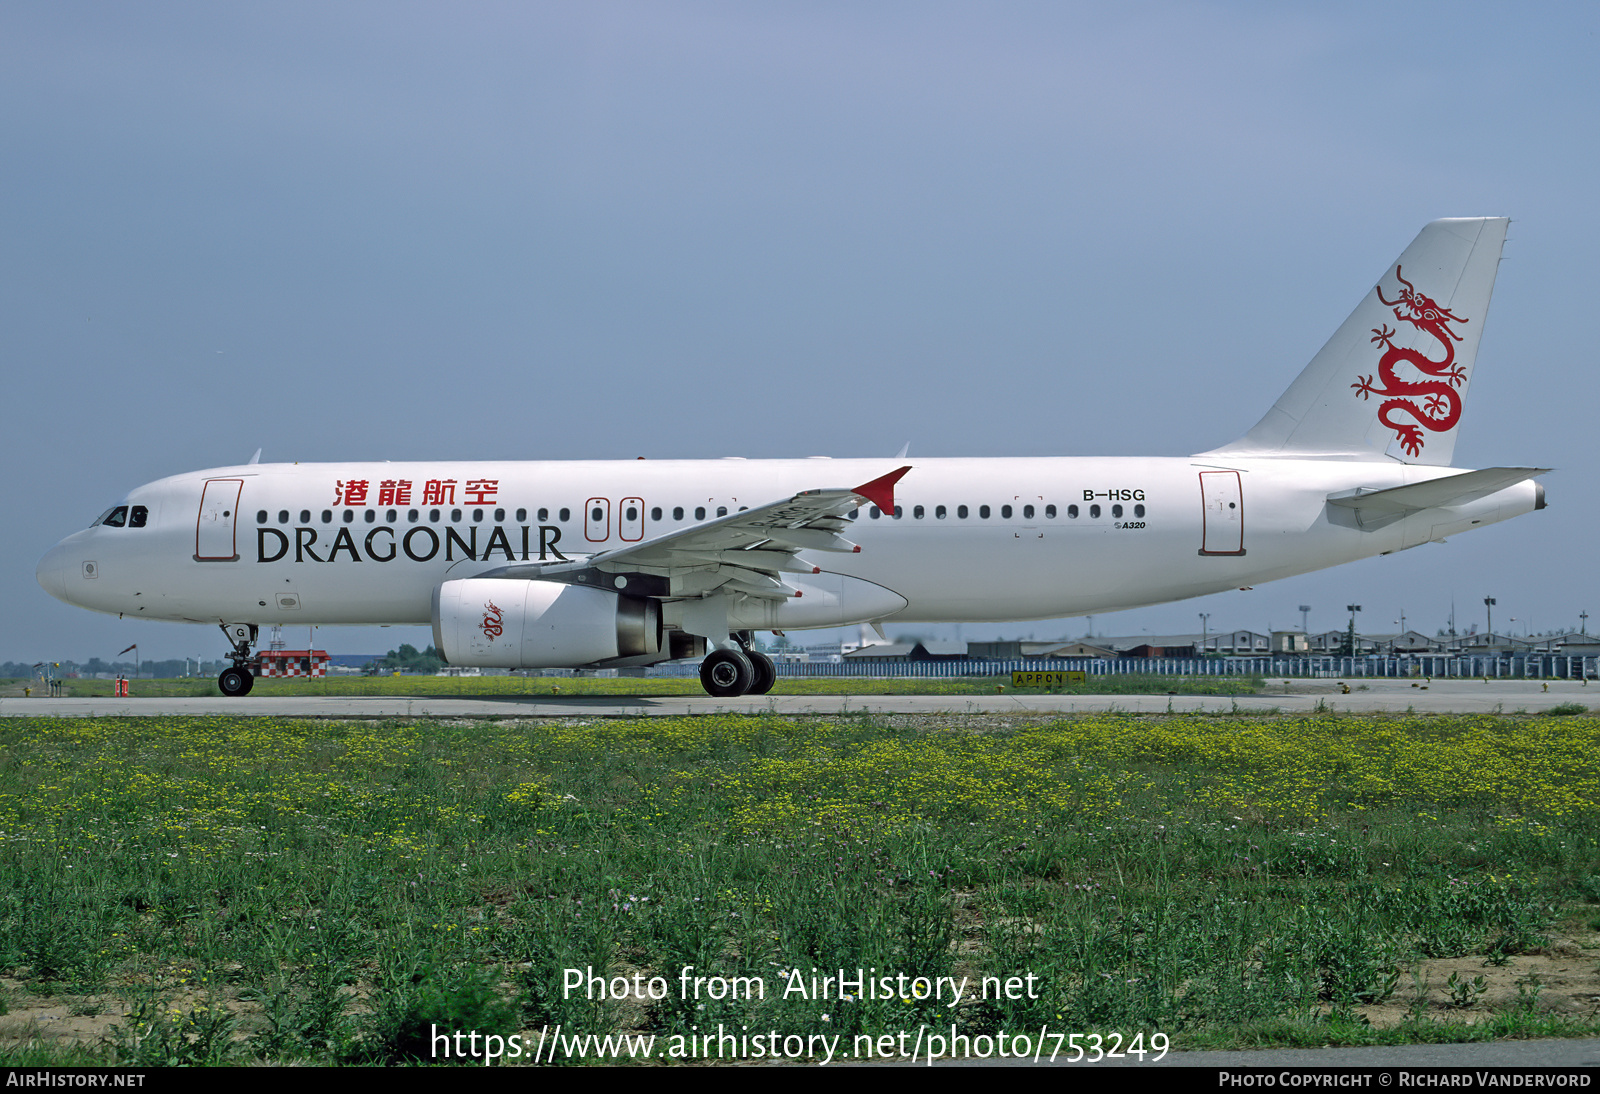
(335, 544)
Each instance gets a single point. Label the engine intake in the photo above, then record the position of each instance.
(498, 623)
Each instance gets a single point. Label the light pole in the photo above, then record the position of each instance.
(1351, 640)
(1304, 609)
(1205, 634)
(1488, 611)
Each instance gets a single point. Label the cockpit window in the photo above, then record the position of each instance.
(137, 516)
(116, 518)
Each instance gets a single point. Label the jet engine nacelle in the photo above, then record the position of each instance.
(512, 624)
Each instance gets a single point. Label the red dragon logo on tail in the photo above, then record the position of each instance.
(1440, 407)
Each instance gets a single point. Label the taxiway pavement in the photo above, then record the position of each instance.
(1295, 697)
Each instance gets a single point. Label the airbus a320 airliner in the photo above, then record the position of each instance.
(584, 564)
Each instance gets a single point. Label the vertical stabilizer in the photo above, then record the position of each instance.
(1393, 379)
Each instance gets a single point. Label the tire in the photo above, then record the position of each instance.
(235, 682)
(725, 673)
(765, 674)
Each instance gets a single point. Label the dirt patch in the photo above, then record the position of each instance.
(57, 1019)
(1562, 979)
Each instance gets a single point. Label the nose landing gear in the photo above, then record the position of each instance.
(238, 679)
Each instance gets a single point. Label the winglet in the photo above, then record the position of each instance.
(880, 491)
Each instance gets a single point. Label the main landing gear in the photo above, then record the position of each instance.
(238, 679)
(741, 671)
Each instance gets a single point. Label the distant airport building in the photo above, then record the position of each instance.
(1238, 643)
(908, 651)
(1290, 643)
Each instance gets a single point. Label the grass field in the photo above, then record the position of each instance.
(238, 889)
(589, 685)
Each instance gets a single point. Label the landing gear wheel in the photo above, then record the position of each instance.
(766, 673)
(725, 673)
(235, 682)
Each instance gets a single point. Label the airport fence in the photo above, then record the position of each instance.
(1521, 667)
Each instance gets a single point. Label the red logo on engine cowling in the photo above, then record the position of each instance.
(492, 627)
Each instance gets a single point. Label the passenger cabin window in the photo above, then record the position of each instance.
(261, 516)
(412, 515)
(1072, 512)
(349, 516)
(433, 515)
(1138, 510)
(477, 514)
(898, 512)
(873, 513)
(983, 512)
(390, 515)
(700, 512)
(1094, 510)
(117, 518)
(1027, 512)
(455, 514)
(1116, 510)
(283, 516)
(677, 512)
(544, 515)
(1050, 512)
(722, 510)
(305, 516)
(327, 516)
(499, 515)
(961, 512)
(938, 512)
(522, 516)
(565, 514)
(655, 513)
(1005, 512)
(371, 516)
(916, 512)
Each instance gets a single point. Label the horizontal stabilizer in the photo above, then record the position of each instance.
(1449, 490)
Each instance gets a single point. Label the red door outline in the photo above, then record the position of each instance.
(216, 526)
(1222, 513)
(631, 529)
(592, 524)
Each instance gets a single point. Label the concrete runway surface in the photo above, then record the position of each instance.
(1297, 697)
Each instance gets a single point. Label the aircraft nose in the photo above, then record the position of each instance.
(52, 572)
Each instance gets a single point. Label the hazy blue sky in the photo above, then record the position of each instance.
(525, 230)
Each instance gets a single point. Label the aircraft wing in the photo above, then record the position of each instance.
(744, 552)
